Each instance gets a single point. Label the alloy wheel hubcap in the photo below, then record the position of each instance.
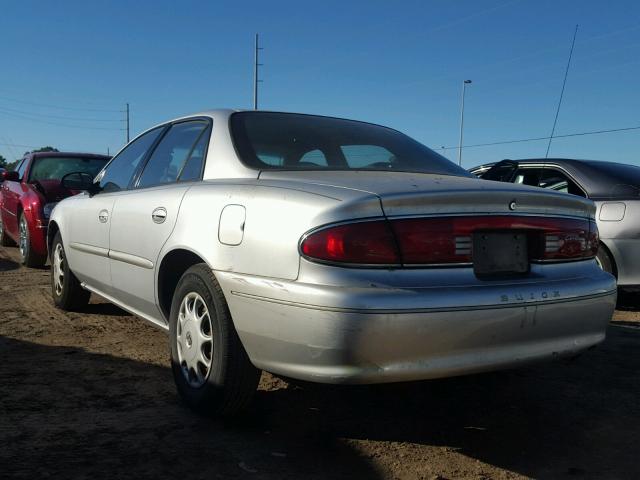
(23, 237)
(194, 339)
(58, 269)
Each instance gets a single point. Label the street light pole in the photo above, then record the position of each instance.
(464, 89)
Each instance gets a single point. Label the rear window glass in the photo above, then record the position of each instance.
(289, 141)
(50, 168)
(625, 173)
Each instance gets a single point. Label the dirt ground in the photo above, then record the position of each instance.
(90, 395)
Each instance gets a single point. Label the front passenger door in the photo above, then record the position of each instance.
(89, 217)
(144, 217)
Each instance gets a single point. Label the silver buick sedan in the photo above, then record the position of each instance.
(325, 250)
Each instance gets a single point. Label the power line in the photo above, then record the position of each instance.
(564, 83)
(522, 140)
(59, 117)
(46, 105)
(35, 119)
(17, 145)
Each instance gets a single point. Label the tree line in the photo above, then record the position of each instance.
(7, 165)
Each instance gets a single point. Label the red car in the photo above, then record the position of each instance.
(28, 195)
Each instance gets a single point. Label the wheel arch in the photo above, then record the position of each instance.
(172, 266)
(53, 229)
(612, 258)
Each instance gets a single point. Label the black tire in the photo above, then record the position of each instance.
(28, 257)
(68, 295)
(604, 260)
(231, 380)
(5, 241)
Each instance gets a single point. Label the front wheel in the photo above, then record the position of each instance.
(66, 290)
(28, 257)
(211, 369)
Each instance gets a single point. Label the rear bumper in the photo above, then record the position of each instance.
(333, 334)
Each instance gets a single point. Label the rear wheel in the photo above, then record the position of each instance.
(65, 288)
(604, 260)
(211, 369)
(5, 241)
(28, 257)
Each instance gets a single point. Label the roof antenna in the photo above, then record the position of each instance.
(555, 120)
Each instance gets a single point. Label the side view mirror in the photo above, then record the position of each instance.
(11, 176)
(80, 181)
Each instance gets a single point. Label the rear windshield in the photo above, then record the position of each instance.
(54, 168)
(614, 180)
(288, 141)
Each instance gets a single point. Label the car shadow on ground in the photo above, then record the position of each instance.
(72, 413)
(7, 265)
(104, 308)
(628, 300)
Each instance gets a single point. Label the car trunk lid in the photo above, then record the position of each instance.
(414, 194)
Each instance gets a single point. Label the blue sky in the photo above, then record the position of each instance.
(398, 63)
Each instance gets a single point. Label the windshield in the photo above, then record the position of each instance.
(288, 141)
(54, 168)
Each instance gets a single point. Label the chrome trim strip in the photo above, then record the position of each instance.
(83, 247)
(130, 259)
(8, 211)
(418, 310)
(137, 313)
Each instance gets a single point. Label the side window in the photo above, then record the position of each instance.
(527, 176)
(550, 178)
(21, 168)
(122, 168)
(192, 170)
(363, 156)
(171, 154)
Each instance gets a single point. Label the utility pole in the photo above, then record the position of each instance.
(127, 122)
(256, 80)
(464, 89)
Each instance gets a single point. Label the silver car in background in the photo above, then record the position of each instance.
(326, 250)
(615, 189)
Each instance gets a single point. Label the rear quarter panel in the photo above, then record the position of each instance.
(277, 215)
(621, 236)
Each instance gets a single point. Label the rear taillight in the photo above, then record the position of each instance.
(447, 240)
(366, 243)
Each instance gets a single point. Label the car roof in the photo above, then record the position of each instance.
(68, 154)
(600, 179)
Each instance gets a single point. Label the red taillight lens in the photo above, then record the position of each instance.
(433, 240)
(447, 240)
(593, 243)
(368, 243)
(562, 239)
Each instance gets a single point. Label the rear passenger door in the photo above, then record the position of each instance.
(144, 216)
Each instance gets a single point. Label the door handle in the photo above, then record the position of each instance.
(103, 216)
(159, 215)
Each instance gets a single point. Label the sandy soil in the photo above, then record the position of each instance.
(90, 395)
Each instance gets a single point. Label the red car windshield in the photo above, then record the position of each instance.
(54, 168)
